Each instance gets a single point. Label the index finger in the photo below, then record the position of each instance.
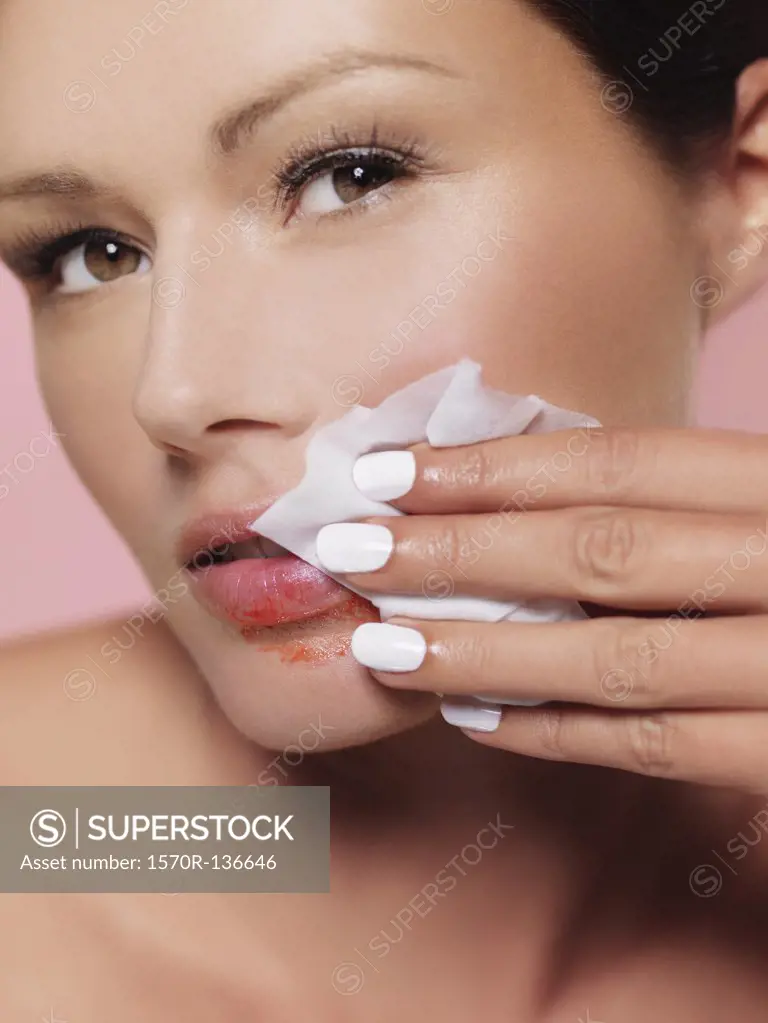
(723, 471)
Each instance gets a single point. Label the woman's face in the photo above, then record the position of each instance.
(306, 205)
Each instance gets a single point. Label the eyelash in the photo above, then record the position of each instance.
(342, 151)
(34, 255)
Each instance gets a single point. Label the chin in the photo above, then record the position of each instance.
(297, 688)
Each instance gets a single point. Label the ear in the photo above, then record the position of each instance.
(739, 258)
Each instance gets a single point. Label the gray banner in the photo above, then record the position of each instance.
(170, 839)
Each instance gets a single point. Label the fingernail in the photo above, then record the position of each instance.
(385, 475)
(477, 717)
(354, 547)
(382, 647)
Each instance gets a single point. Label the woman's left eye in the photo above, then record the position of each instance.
(350, 180)
(97, 262)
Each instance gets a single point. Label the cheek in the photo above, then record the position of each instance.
(582, 298)
(87, 368)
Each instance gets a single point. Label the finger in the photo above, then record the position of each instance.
(725, 748)
(718, 470)
(638, 559)
(611, 663)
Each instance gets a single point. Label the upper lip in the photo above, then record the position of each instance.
(218, 529)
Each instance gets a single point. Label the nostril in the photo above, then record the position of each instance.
(231, 425)
(175, 453)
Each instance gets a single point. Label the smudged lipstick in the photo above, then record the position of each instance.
(246, 579)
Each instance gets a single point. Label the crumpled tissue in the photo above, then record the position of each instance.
(449, 408)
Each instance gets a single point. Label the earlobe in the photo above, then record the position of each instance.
(738, 220)
(751, 134)
(751, 98)
(744, 266)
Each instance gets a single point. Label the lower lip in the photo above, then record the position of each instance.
(265, 592)
(312, 646)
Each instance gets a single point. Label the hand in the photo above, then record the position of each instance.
(670, 522)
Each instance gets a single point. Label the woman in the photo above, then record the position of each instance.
(220, 260)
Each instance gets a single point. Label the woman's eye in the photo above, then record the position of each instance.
(97, 262)
(335, 188)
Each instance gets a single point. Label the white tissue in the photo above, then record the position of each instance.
(448, 408)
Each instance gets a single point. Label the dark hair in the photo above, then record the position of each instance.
(678, 66)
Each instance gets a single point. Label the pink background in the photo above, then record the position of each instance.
(60, 561)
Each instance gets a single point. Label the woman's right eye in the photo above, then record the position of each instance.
(96, 262)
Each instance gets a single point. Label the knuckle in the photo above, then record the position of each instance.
(474, 657)
(474, 466)
(449, 544)
(614, 462)
(650, 739)
(606, 548)
(485, 465)
(626, 661)
(551, 733)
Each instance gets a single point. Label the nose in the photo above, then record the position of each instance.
(214, 366)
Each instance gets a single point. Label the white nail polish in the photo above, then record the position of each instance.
(475, 717)
(385, 475)
(383, 647)
(354, 547)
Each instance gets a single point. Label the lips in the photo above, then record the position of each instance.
(245, 579)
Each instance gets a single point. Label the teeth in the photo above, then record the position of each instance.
(256, 547)
(252, 548)
(271, 549)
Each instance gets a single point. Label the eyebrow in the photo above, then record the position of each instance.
(62, 181)
(231, 131)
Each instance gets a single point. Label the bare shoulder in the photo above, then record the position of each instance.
(78, 709)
